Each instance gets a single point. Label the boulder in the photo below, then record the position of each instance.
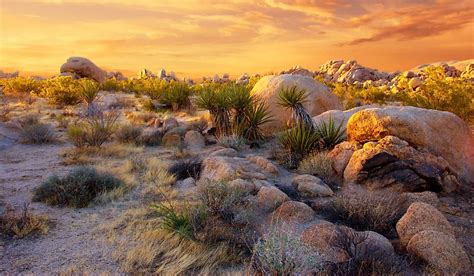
(426, 197)
(169, 123)
(441, 251)
(339, 116)
(319, 97)
(271, 197)
(439, 132)
(421, 217)
(341, 154)
(321, 236)
(311, 186)
(243, 185)
(392, 163)
(194, 140)
(263, 163)
(171, 139)
(228, 152)
(220, 168)
(84, 68)
(293, 213)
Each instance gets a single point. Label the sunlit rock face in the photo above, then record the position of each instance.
(84, 68)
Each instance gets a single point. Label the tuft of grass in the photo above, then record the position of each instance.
(173, 221)
(232, 141)
(186, 168)
(320, 165)
(37, 134)
(129, 134)
(299, 142)
(282, 253)
(94, 130)
(220, 198)
(22, 224)
(77, 189)
(330, 134)
(370, 211)
(88, 90)
(148, 105)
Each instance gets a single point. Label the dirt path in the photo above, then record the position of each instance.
(74, 241)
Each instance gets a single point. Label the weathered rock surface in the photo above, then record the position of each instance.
(339, 116)
(271, 197)
(293, 213)
(392, 163)
(171, 139)
(441, 133)
(311, 186)
(351, 72)
(194, 140)
(421, 217)
(217, 168)
(319, 97)
(84, 68)
(341, 154)
(440, 251)
(321, 236)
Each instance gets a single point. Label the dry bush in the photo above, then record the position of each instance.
(186, 168)
(121, 103)
(129, 134)
(220, 198)
(151, 139)
(90, 155)
(20, 87)
(94, 130)
(282, 253)
(37, 134)
(77, 189)
(5, 110)
(319, 164)
(157, 181)
(140, 118)
(370, 211)
(22, 224)
(232, 141)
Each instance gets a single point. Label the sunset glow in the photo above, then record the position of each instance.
(203, 37)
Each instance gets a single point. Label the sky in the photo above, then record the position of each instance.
(194, 38)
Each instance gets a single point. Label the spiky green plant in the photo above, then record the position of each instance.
(256, 116)
(293, 99)
(88, 90)
(330, 134)
(299, 141)
(218, 102)
(241, 101)
(176, 95)
(175, 222)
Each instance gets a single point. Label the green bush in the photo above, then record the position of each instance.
(175, 94)
(61, 90)
(37, 133)
(329, 134)
(112, 85)
(77, 189)
(299, 141)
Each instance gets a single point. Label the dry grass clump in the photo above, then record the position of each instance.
(370, 211)
(141, 118)
(183, 169)
(90, 155)
(37, 134)
(157, 181)
(282, 253)
(22, 224)
(232, 141)
(77, 189)
(129, 134)
(319, 164)
(151, 139)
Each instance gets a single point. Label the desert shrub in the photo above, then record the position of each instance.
(440, 92)
(293, 98)
(151, 139)
(329, 134)
(231, 141)
(370, 211)
(299, 141)
(112, 85)
(281, 253)
(148, 105)
(61, 90)
(220, 198)
(5, 110)
(94, 130)
(29, 119)
(20, 87)
(352, 95)
(363, 262)
(22, 224)
(158, 181)
(175, 95)
(129, 134)
(186, 168)
(252, 81)
(77, 189)
(319, 164)
(37, 133)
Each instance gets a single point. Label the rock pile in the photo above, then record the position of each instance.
(352, 72)
(80, 67)
(298, 70)
(5, 75)
(162, 75)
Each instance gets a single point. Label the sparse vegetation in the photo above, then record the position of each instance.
(232, 141)
(22, 224)
(37, 133)
(282, 253)
(320, 165)
(20, 87)
(186, 168)
(94, 130)
(129, 134)
(77, 189)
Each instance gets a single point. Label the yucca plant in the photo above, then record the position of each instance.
(241, 101)
(255, 117)
(218, 102)
(176, 95)
(330, 134)
(299, 141)
(87, 92)
(294, 98)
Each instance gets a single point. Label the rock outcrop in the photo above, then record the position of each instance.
(352, 72)
(319, 97)
(84, 68)
(438, 132)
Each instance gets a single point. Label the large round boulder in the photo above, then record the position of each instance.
(319, 97)
(441, 133)
(84, 68)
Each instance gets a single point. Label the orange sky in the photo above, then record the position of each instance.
(203, 37)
